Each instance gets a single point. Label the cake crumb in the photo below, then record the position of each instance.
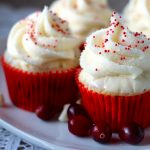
(78, 101)
(63, 115)
(1, 100)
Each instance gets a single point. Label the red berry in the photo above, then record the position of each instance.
(44, 113)
(101, 133)
(79, 126)
(76, 109)
(82, 46)
(131, 133)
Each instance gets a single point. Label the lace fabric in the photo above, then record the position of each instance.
(9, 141)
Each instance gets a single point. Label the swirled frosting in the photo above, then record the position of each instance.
(42, 42)
(116, 60)
(84, 16)
(137, 14)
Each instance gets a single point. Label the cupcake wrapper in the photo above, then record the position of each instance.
(31, 90)
(116, 110)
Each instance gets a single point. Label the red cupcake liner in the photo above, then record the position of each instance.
(31, 90)
(115, 110)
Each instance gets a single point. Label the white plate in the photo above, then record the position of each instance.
(52, 135)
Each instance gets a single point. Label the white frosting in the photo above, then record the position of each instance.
(116, 61)
(84, 16)
(137, 14)
(42, 42)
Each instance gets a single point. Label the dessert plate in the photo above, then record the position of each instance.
(52, 135)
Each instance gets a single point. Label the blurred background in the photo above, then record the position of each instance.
(14, 10)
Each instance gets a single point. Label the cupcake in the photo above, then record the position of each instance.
(114, 79)
(137, 15)
(40, 62)
(84, 16)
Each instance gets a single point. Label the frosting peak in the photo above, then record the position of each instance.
(84, 4)
(137, 14)
(116, 52)
(55, 25)
(84, 16)
(42, 42)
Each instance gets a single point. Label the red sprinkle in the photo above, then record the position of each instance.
(136, 34)
(122, 58)
(106, 40)
(123, 40)
(122, 27)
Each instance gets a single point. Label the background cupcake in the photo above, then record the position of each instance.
(137, 14)
(40, 62)
(115, 77)
(84, 16)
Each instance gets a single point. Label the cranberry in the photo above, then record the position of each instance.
(82, 47)
(79, 126)
(76, 109)
(131, 133)
(44, 113)
(101, 133)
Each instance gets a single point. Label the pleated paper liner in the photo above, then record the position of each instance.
(115, 110)
(31, 90)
